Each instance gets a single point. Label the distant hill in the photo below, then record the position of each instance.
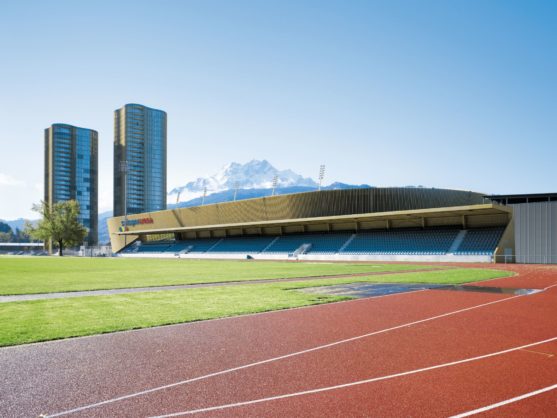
(18, 223)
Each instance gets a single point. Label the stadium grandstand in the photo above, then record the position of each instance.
(372, 224)
(22, 248)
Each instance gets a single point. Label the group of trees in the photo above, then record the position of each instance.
(59, 224)
(8, 235)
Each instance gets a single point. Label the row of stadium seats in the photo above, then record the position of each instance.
(242, 245)
(435, 242)
(396, 242)
(320, 243)
(194, 245)
(480, 241)
(23, 252)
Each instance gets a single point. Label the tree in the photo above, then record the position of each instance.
(22, 236)
(4, 227)
(6, 233)
(6, 236)
(58, 223)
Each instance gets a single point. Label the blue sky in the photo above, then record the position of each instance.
(457, 94)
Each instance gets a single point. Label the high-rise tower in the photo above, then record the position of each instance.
(139, 159)
(71, 167)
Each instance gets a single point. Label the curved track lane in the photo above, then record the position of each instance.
(402, 351)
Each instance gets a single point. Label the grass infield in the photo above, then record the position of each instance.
(25, 275)
(42, 320)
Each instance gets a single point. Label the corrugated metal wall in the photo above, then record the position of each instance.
(535, 232)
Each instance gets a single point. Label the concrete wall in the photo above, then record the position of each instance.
(535, 227)
(333, 257)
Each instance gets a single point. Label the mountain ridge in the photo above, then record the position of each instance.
(255, 174)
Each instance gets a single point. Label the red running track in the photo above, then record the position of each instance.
(434, 353)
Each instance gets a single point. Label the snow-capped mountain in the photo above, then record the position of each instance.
(255, 174)
(255, 179)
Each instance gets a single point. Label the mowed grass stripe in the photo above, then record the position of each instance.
(34, 321)
(29, 275)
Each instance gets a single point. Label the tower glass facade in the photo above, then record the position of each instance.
(140, 140)
(71, 167)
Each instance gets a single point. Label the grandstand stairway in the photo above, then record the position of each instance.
(457, 241)
(270, 244)
(347, 243)
(302, 249)
(186, 250)
(215, 245)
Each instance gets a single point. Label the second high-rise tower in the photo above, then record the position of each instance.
(139, 159)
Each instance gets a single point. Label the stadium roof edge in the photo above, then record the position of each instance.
(480, 209)
(526, 195)
(322, 191)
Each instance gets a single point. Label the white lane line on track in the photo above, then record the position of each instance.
(356, 383)
(505, 402)
(258, 363)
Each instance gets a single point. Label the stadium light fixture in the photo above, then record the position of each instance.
(236, 185)
(275, 182)
(204, 194)
(321, 175)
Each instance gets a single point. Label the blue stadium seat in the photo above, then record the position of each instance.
(242, 245)
(402, 242)
(198, 246)
(320, 243)
(480, 241)
(155, 247)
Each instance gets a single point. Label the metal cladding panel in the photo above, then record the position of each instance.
(536, 232)
(324, 203)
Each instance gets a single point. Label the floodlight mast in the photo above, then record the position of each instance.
(124, 167)
(236, 185)
(321, 175)
(275, 181)
(204, 194)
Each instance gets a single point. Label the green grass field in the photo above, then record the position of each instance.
(25, 275)
(42, 320)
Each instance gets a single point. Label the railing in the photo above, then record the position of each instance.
(302, 249)
(526, 259)
(97, 251)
